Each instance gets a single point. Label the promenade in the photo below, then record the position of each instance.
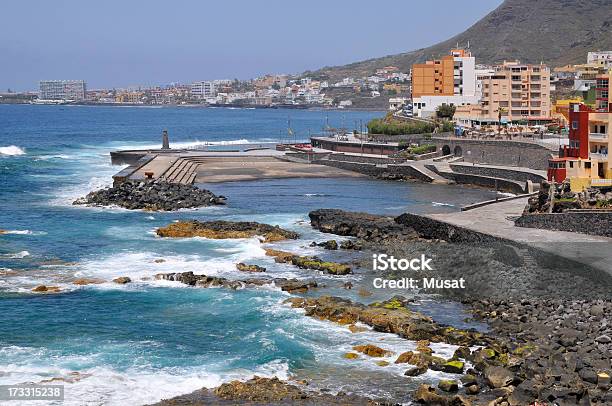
(497, 220)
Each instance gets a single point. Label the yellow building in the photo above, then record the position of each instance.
(129, 97)
(586, 159)
(512, 92)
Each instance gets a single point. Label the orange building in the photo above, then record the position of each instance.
(437, 77)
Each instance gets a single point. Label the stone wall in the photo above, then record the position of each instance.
(497, 152)
(366, 159)
(378, 170)
(586, 223)
(505, 185)
(513, 174)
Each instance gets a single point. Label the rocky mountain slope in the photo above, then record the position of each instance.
(556, 32)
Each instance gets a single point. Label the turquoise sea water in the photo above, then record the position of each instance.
(150, 340)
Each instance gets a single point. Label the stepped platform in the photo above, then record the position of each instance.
(199, 166)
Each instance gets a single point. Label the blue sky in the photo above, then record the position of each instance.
(129, 43)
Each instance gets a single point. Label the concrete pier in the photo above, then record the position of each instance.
(200, 166)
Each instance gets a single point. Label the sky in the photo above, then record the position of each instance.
(122, 43)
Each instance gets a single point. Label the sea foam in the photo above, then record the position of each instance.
(12, 150)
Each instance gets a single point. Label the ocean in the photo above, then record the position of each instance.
(141, 342)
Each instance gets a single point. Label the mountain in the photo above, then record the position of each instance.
(556, 32)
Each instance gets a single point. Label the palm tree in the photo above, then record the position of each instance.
(500, 111)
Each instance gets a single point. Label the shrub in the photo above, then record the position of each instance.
(396, 127)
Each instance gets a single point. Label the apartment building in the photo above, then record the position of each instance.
(585, 161)
(203, 90)
(450, 80)
(511, 93)
(73, 90)
(600, 58)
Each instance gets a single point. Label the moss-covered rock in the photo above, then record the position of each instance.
(249, 268)
(351, 355)
(453, 367)
(279, 256)
(315, 263)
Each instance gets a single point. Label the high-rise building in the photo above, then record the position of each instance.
(511, 92)
(450, 80)
(62, 90)
(203, 90)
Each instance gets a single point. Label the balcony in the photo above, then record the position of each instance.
(598, 136)
(598, 156)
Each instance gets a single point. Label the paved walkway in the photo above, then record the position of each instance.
(496, 220)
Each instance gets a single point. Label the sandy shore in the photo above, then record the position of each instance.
(230, 169)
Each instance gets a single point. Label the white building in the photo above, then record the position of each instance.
(396, 103)
(73, 90)
(203, 90)
(603, 58)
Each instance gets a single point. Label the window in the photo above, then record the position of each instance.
(571, 164)
(587, 165)
(574, 125)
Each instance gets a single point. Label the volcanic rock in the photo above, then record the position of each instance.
(226, 229)
(151, 195)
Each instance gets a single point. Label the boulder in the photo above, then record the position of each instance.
(448, 385)
(249, 268)
(122, 280)
(404, 357)
(46, 289)
(350, 245)
(87, 281)
(498, 377)
(427, 394)
(453, 367)
(328, 245)
(416, 371)
(372, 350)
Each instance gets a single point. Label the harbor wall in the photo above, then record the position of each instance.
(496, 152)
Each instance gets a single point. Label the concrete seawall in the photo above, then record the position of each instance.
(497, 152)
(378, 170)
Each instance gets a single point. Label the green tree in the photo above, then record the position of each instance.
(445, 111)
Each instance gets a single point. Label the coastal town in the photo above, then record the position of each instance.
(431, 227)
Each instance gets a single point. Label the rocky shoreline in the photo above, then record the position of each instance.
(546, 343)
(558, 337)
(151, 195)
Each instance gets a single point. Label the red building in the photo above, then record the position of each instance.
(578, 142)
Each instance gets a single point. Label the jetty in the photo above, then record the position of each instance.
(213, 164)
